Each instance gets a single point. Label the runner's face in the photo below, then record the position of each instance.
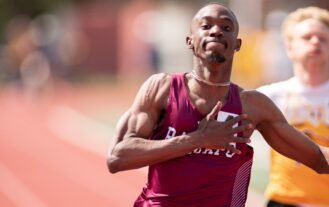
(310, 42)
(214, 33)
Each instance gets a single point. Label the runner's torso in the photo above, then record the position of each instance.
(204, 177)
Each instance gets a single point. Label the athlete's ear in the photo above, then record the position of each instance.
(290, 51)
(189, 42)
(238, 45)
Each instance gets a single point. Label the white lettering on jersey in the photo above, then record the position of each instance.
(222, 117)
(171, 132)
(217, 151)
(230, 154)
(208, 151)
(197, 151)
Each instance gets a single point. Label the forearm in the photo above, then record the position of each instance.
(133, 153)
(308, 152)
(324, 161)
(295, 145)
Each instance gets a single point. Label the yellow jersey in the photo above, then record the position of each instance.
(307, 109)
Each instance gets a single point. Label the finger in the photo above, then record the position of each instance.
(214, 111)
(241, 140)
(236, 119)
(242, 128)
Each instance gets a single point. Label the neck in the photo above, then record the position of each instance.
(213, 74)
(200, 79)
(312, 76)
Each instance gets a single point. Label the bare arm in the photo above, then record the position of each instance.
(284, 138)
(132, 148)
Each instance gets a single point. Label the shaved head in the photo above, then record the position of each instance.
(214, 34)
(215, 6)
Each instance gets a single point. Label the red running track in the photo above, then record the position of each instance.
(37, 168)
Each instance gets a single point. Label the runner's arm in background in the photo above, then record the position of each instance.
(287, 140)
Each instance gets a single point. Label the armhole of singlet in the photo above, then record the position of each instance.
(185, 92)
(168, 106)
(173, 78)
(178, 85)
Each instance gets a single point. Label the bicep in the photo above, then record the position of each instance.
(281, 136)
(120, 129)
(132, 124)
(146, 108)
(142, 116)
(289, 141)
(140, 124)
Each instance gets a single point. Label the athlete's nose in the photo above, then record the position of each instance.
(216, 31)
(315, 40)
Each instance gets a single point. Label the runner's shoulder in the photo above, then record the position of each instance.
(159, 83)
(156, 89)
(254, 97)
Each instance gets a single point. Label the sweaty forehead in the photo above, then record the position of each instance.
(214, 11)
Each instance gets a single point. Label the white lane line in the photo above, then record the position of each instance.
(82, 131)
(16, 190)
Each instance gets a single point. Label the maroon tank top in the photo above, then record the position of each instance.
(204, 177)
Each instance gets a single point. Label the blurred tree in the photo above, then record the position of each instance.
(31, 8)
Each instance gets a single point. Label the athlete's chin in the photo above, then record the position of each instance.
(214, 57)
(316, 60)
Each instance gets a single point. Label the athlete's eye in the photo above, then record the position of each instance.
(306, 37)
(227, 28)
(206, 26)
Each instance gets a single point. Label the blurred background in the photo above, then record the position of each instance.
(70, 68)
